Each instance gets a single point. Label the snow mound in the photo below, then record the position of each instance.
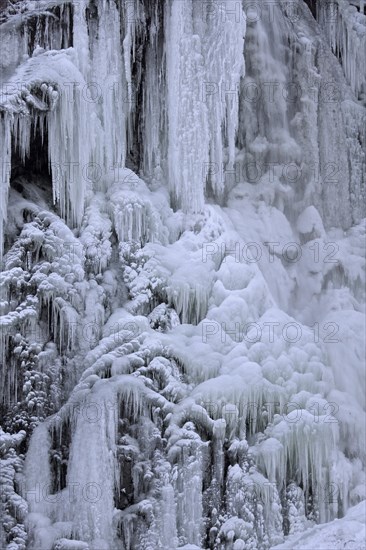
(348, 532)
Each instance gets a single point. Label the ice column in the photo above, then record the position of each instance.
(187, 114)
(5, 144)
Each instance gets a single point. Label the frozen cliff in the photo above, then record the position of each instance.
(182, 233)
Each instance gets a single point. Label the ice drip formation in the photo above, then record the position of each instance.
(183, 286)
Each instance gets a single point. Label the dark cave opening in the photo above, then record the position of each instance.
(31, 177)
(31, 180)
(36, 162)
(312, 6)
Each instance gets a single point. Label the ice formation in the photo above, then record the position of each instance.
(182, 231)
(344, 23)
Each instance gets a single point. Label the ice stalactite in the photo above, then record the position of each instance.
(314, 461)
(37, 470)
(154, 144)
(251, 494)
(81, 38)
(5, 135)
(95, 235)
(109, 77)
(46, 304)
(222, 32)
(135, 217)
(37, 100)
(93, 514)
(70, 180)
(295, 509)
(202, 97)
(355, 124)
(187, 114)
(345, 29)
(185, 449)
(168, 528)
(49, 26)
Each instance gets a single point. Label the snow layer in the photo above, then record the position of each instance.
(348, 532)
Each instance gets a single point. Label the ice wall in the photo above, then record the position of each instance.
(153, 419)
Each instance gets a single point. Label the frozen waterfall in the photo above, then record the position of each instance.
(182, 241)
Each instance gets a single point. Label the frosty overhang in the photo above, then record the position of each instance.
(31, 102)
(46, 96)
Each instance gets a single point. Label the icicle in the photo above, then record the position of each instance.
(5, 140)
(80, 36)
(190, 300)
(92, 514)
(107, 77)
(345, 30)
(224, 62)
(154, 108)
(248, 494)
(68, 124)
(188, 487)
(168, 530)
(38, 470)
(302, 450)
(203, 98)
(187, 114)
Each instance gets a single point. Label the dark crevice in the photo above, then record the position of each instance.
(312, 6)
(52, 30)
(92, 15)
(36, 162)
(30, 179)
(59, 456)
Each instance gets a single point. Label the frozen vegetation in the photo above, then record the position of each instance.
(182, 237)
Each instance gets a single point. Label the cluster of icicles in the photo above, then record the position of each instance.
(83, 97)
(345, 29)
(170, 441)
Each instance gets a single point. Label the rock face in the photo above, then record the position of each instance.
(182, 237)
